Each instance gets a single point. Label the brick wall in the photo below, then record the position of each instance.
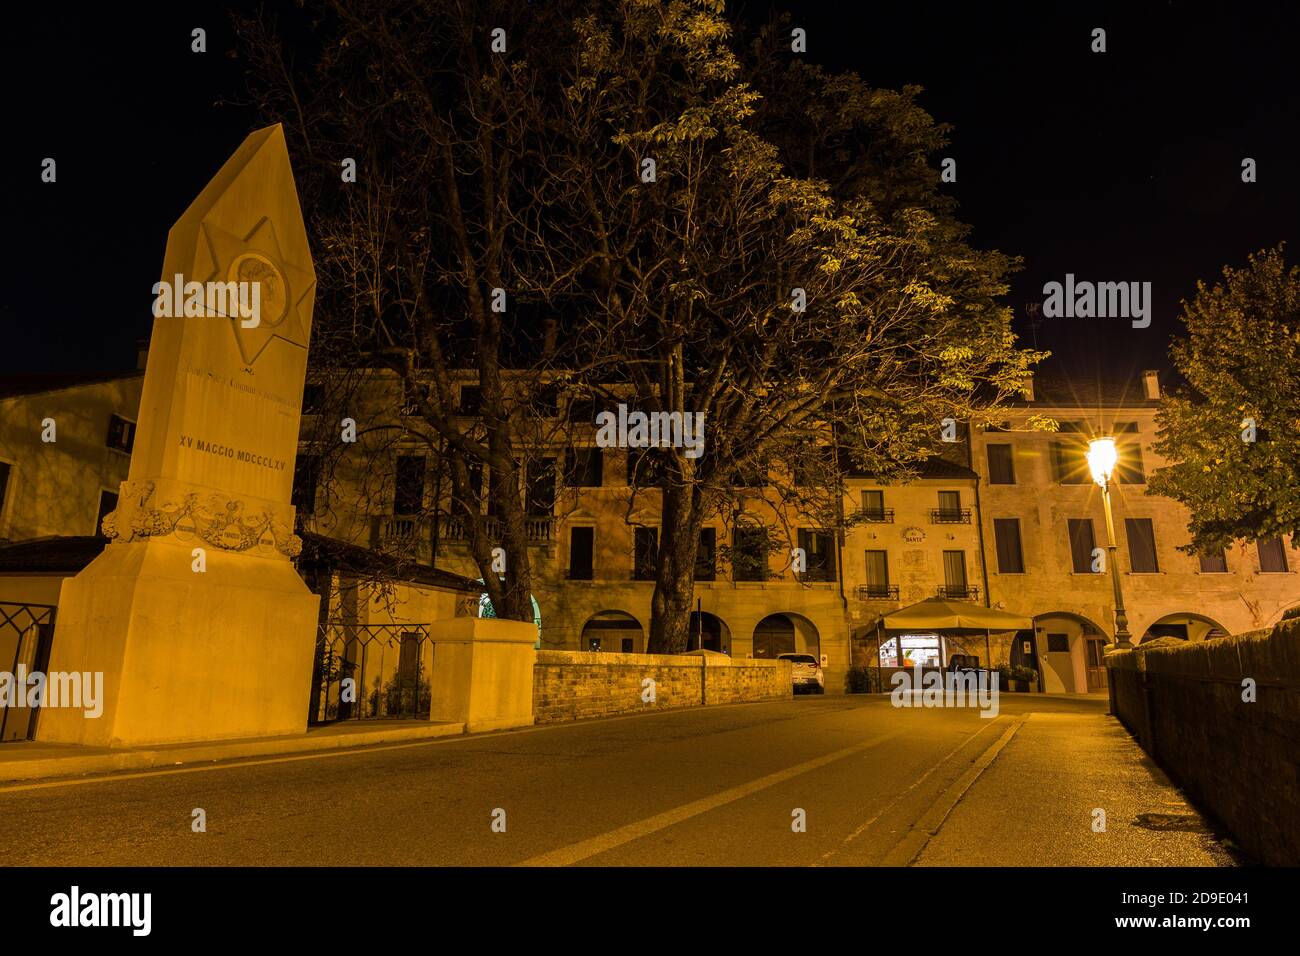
(572, 685)
(1238, 760)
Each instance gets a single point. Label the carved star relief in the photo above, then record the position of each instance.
(284, 287)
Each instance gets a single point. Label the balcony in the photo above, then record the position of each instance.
(399, 534)
(958, 592)
(950, 516)
(539, 529)
(876, 592)
(876, 515)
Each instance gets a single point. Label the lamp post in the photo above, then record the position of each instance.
(1102, 457)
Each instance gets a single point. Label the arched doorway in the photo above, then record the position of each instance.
(1067, 652)
(614, 632)
(708, 631)
(786, 633)
(1185, 627)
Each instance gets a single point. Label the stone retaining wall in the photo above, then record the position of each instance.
(573, 685)
(1239, 760)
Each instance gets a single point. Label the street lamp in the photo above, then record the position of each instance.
(1102, 457)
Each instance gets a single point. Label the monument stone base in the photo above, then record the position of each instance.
(483, 672)
(186, 655)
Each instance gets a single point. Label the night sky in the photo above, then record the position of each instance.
(1122, 166)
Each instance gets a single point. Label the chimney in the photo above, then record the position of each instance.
(1028, 390)
(1151, 384)
(141, 353)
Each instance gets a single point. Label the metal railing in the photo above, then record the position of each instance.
(950, 516)
(370, 670)
(961, 592)
(877, 592)
(876, 515)
(540, 529)
(30, 628)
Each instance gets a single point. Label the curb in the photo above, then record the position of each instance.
(74, 765)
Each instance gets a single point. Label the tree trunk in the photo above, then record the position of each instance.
(670, 607)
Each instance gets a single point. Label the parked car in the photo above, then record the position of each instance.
(806, 672)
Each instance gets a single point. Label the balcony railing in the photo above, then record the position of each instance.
(960, 592)
(950, 516)
(877, 592)
(876, 515)
(539, 529)
(399, 534)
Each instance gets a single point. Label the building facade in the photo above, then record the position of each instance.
(1007, 517)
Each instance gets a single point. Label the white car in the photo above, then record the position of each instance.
(806, 671)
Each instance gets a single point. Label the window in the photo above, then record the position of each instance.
(1272, 555)
(1214, 563)
(1128, 468)
(819, 548)
(1058, 643)
(1141, 545)
(645, 553)
(121, 434)
(546, 401)
(749, 554)
(582, 542)
(474, 493)
(1082, 544)
(706, 556)
(306, 478)
(471, 399)
(873, 505)
(628, 645)
(1002, 469)
(645, 467)
(949, 507)
(1006, 534)
(408, 485)
(1069, 457)
(752, 475)
(583, 467)
(107, 503)
(954, 573)
(313, 397)
(878, 574)
(582, 411)
(539, 491)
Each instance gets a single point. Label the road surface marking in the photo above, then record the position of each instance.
(234, 763)
(584, 849)
(916, 783)
(910, 847)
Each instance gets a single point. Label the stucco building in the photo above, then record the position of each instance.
(1007, 517)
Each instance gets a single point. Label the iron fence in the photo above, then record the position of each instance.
(26, 631)
(367, 671)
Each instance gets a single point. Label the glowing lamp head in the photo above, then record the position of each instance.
(1102, 457)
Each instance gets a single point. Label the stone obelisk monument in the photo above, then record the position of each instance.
(194, 613)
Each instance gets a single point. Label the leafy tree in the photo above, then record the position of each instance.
(799, 316)
(1241, 361)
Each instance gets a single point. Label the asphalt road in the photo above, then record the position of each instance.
(712, 786)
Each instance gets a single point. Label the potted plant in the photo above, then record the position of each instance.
(1022, 678)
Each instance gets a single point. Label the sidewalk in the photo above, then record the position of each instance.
(1035, 804)
(33, 760)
